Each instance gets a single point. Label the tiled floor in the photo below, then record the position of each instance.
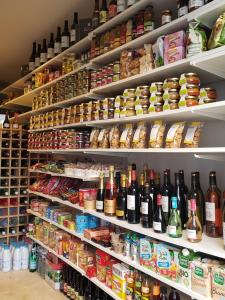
(23, 285)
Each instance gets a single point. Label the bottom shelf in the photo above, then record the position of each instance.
(74, 266)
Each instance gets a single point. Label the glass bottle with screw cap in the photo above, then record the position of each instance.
(194, 227)
(174, 224)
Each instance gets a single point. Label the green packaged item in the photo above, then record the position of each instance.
(196, 39)
(217, 37)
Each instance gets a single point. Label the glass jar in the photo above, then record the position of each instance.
(166, 17)
(159, 86)
(193, 90)
(111, 113)
(192, 78)
(173, 104)
(149, 19)
(130, 92)
(173, 83)
(191, 101)
(195, 4)
(116, 77)
(101, 112)
(116, 67)
(144, 100)
(144, 90)
(130, 112)
(111, 103)
(121, 6)
(130, 102)
(159, 97)
(211, 95)
(174, 94)
(158, 106)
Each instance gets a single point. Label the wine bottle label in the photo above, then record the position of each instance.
(171, 229)
(224, 233)
(112, 10)
(73, 35)
(191, 234)
(144, 208)
(182, 11)
(131, 202)
(131, 2)
(43, 57)
(99, 205)
(37, 61)
(195, 3)
(81, 298)
(50, 53)
(110, 206)
(165, 204)
(103, 16)
(157, 226)
(5, 125)
(119, 213)
(31, 65)
(210, 213)
(121, 5)
(65, 41)
(57, 47)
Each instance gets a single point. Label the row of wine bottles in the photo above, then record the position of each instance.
(160, 206)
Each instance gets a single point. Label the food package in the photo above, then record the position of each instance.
(174, 40)
(157, 49)
(192, 136)
(174, 54)
(114, 137)
(103, 138)
(139, 138)
(119, 273)
(157, 134)
(196, 39)
(126, 136)
(148, 253)
(94, 138)
(217, 37)
(174, 135)
(218, 282)
(146, 61)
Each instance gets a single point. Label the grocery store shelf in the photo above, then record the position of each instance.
(124, 259)
(205, 112)
(208, 245)
(64, 175)
(76, 267)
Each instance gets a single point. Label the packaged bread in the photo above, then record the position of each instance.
(94, 138)
(174, 135)
(157, 134)
(192, 136)
(103, 138)
(140, 135)
(114, 137)
(126, 136)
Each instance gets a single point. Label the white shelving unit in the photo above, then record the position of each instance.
(126, 260)
(208, 245)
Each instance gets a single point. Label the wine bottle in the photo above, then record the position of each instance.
(95, 17)
(74, 30)
(141, 190)
(6, 123)
(174, 224)
(88, 291)
(163, 293)
(69, 279)
(65, 39)
(159, 220)
(4, 192)
(157, 181)
(110, 195)
(174, 294)
(50, 52)
(15, 124)
(166, 195)
(182, 182)
(133, 206)
(146, 288)
(145, 171)
(137, 285)
(103, 14)
(37, 56)
(112, 8)
(118, 182)
(129, 169)
(196, 193)
(97, 295)
(194, 227)
(100, 194)
(81, 287)
(121, 200)
(31, 65)
(43, 56)
(213, 210)
(77, 285)
(182, 201)
(153, 190)
(5, 144)
(57, 44)
(146, 205)
(156, 291)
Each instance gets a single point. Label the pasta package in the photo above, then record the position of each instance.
(157, 134)
(126, 137)
(192, 136)
(174, 135)
(114, 137)
(103, 138)
(94, 138)
(140, 135)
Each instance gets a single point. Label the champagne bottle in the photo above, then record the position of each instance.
(174, 224)
(110, 195)
(194, 227)
(100, 194)
(6, 123)
(31, 65)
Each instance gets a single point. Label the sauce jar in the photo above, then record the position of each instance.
(116, 67)
(111, 113)
(173, 104)
(111, 102)
(166, 17)
(159, 86)
(191, 101)
(158, 106)
(148, 19)
(192, 78)
(145, 109)
(116, 77)
(159, 97)
(130, 112)
(144, 90)
(174, 94)
(193, 90)
(101, 114)
(144, 100)
(130, 102)
(173, 83)
(211, 95)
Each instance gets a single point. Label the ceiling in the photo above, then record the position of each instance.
(25, 21)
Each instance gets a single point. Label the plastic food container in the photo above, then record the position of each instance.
(87, 198)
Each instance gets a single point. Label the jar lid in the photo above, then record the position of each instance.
(210, 89)
(173, 101)
(191, 97)
(159, 83)
(173, 91)
(130, 108)
(158, 103)
(192, 86)
(131, 90)
(159, 93)
(111, 109)
(175, 79)
(116, 62)
(145, 106)
(143, 86)
(111, 99)
(190, 74)
(167, 11)
(143, 97)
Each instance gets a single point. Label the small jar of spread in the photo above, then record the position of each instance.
(109, 79)
(159, 86)
(111, 113)
(159, 97)
(192, 78)
(130, 112)
(116, 67)
(211, 95)
(166, 17)
(144, 100)
(130, 102)
(158, 106)
(191, 101)
(144, 90)
(193, 90)
(173, 104)
(101, 114)
(145, 109)
(174, 94)
(111, 102)
(173, 83)
(116, 77)
(130, 92)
